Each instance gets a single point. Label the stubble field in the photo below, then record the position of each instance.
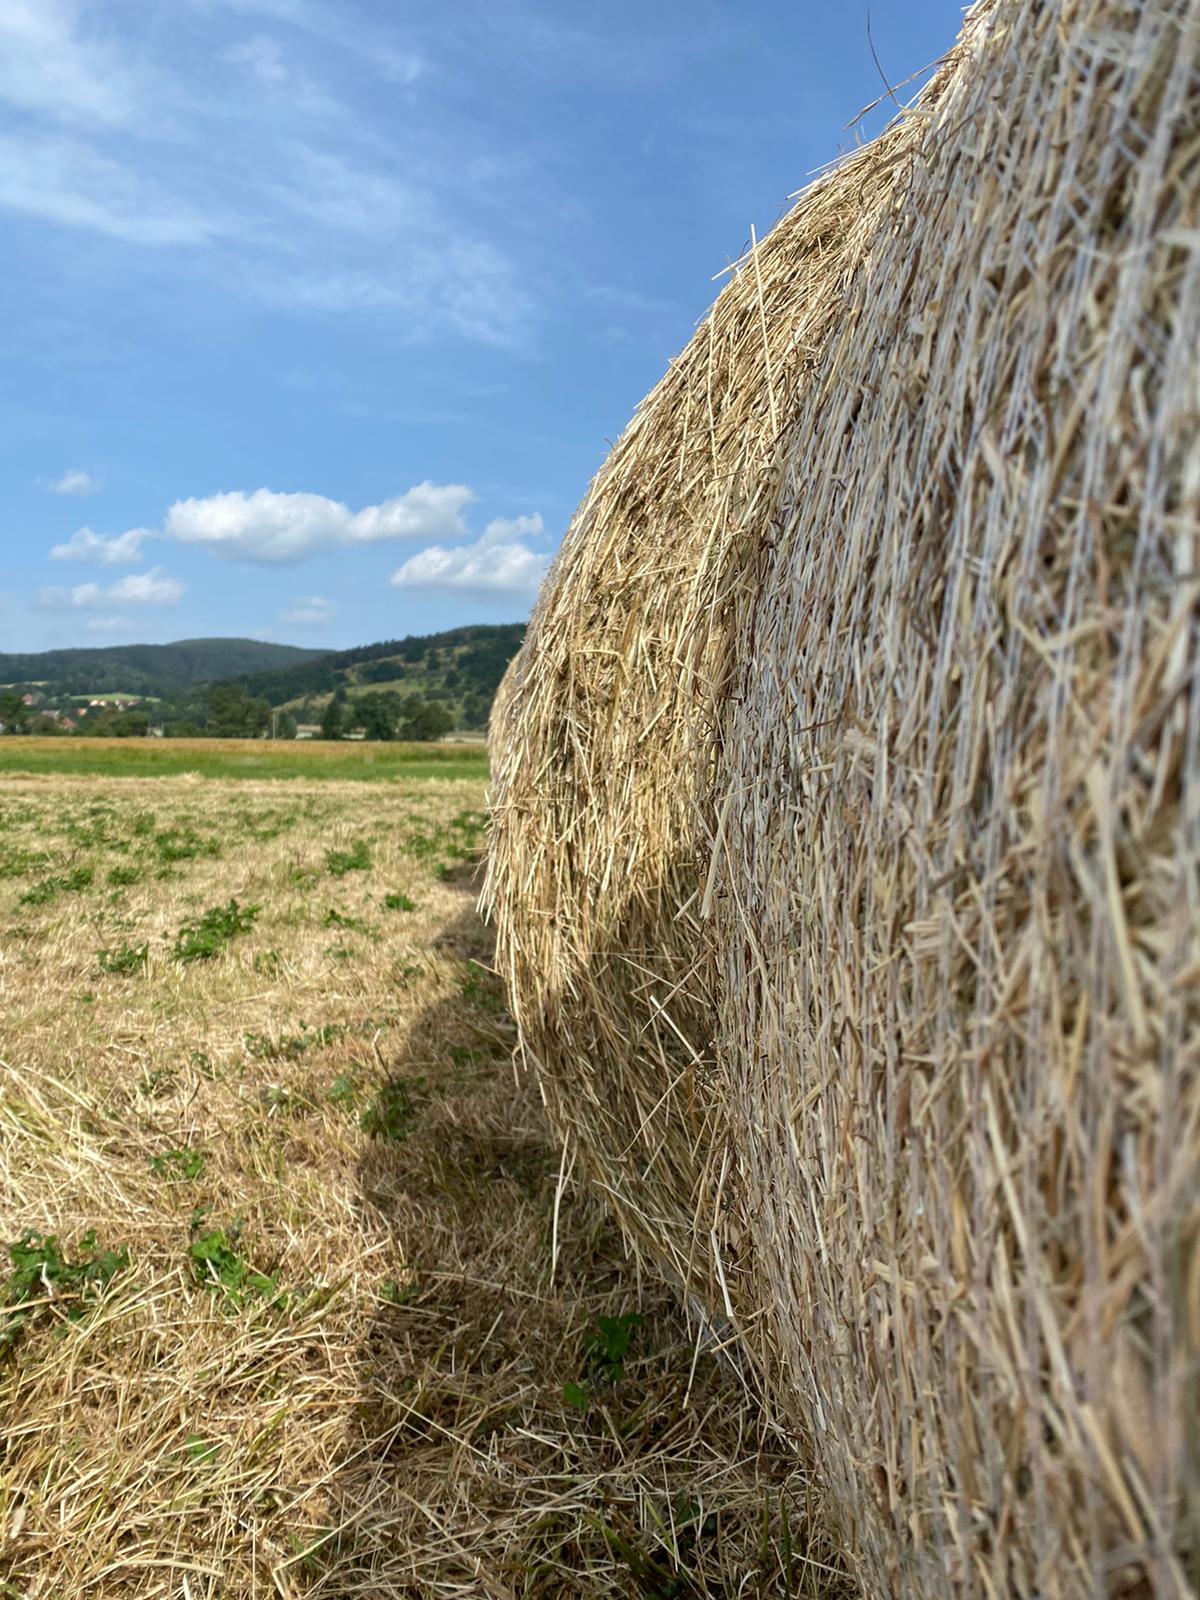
(277, 1222)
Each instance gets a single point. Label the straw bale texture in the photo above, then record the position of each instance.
(602, 737)
(501, 705)
(847, 846)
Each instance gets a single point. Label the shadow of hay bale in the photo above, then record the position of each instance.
(464, 1469)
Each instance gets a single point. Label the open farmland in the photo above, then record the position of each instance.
(242, 758)
(277, 1315)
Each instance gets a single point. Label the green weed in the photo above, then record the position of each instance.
(357, 859)
(178, 1166)
(479, 988)
(183, 844)
(335, 919)
(156, 1083)
(291, 1046)
(42, 1278)
(19, 863)
(208, 937)
(394, 1110)
(218, 1265)
(603, 1355)
(342, 1091)
(47, 889)
(200, 1450)
(398, 902)
(124, 959)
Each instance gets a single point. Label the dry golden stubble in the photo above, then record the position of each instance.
(314, 1347)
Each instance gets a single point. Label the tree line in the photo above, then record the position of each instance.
(230, 713)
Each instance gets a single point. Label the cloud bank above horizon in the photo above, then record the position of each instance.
(264, 527)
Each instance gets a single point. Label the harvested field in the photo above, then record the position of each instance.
(276, 1307)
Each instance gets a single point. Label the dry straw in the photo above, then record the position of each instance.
(847, 851)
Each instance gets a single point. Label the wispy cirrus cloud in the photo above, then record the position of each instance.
(71, 183)
(105, 550)
(52, 65)
(123, 144)
(372, 45)
(150, 588)
(273, 72)
(500, 563)
(312, 611)
(397, 255)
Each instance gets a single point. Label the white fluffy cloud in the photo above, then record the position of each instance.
(73, 481)
(499, 563)
(142, 588)
(106, 550)
(310, 612)
(270, 527)
(106, 624)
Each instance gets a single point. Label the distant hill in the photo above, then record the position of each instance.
(461, 668)
(148, 669)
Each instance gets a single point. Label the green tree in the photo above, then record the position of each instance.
(332, 722)
(14, 713)
(285, 726)
(426, 721)
(232, 714)
(377, 716)
(257, 719)
(226, 711)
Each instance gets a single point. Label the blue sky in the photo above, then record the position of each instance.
(320, 314)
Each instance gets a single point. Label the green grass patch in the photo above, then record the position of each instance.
(244, 758)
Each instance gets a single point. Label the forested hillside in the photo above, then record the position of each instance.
(420, 687)
(459, 670)
(147, 669)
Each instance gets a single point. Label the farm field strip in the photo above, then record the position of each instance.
(276, 1309)
(314, 759)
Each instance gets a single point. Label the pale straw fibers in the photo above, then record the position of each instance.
(847, 824)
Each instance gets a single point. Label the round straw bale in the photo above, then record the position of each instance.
(846, 850)
(501, 705)
(958, 869)
(602, 752)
